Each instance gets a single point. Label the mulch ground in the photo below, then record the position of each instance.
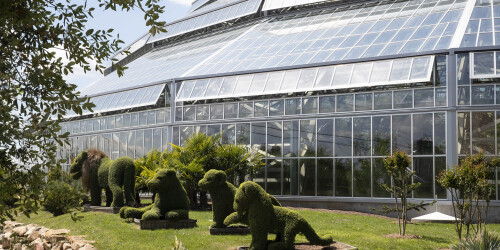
(398, 236)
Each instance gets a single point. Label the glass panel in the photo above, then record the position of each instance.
(202, 112)
(292, 106)
(383, 100)
(307, 77)
(361, 73)
(483, 133)
(243, 134)
(274, 144)
(400, 70)
(439, 133)
(310, 105)
(484, 63)
(364, 102)
(380, 176)
(327, 104)
(325, 137)
(464, 133)
(439, 165)
(243, 85)
(139, 144)
(185, 92)
(259, 137)
(290, 138)
(228, 134)
(381, 135)
(325, 177)
(483, 94)
(401, 133)
(342, 76)
(308, 138)
(189, 113)
(345, 103)
(422, 134)
(343, 137)
(424, 98)
(403, 99)
(463, 77)
(343, 177)
(324, 78)
(246, 109)
(424, 174)
(290, 80)
(290, 177)
(230, 110)
(151, 117)
(274, 82)
(213, 87)
(273, 177)
(148, 140)
(261, 108)
(277, 107)
(157, 141)
(228, 86)
(362, 176)
(216, 130)
(258, 84)
(216, 111)
(307, 177)
(419, 68)
(362, 136)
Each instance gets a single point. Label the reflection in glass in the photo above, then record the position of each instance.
(343, 177)
(484, 63)
(310, 105)
(343, 137)
(228, 134)
(483, 133)
(189, 113)
(273, 177)
(464, 133)
(362, 177)
(139, 143)
(246, 109)
(345, 103)
(274, 144)
(325, 177)
(259, 137)
(276, 107)
(463, 77)
(261, 108)
(439, 133)
(383, 100)
(424, 98)
(307, 177)
(403, 99)
(290, 177)
(440, 165)
(422, 134)
(325, 137)
(380, 176)
(213, 130)
(483, 94)
(230, 110)
(362, 136)
(364, 102)
(308, 138)
(327, 104)
(290, 138)
(424, 174)
(292, 106)
(401, 133)
(216, 111)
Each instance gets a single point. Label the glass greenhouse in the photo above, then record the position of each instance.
(323, 89)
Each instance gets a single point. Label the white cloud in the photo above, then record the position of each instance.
(182, 2)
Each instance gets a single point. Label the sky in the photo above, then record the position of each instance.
(130, 25)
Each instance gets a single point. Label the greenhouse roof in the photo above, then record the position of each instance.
(331, 33)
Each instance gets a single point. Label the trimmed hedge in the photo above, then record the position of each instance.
(222, 194)
(116, 177)
(171, 202)
(264, 218)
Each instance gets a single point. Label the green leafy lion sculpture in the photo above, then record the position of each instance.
(99, 172)
(171, 201)
(252, 201)
(222, 194)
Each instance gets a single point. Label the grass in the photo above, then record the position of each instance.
(364, 232)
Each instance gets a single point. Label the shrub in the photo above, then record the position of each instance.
(60, 198)
(485, 241)
(470, 193)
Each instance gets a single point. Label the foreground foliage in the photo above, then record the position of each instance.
(484, 241)
(60, 198)
(34, 97)
(470, 191)
(398, 166)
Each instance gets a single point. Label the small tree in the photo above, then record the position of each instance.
(470, 193)
(398, 167)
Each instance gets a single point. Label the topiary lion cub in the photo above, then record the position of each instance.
(222, 193)
(171, 201)
(251, 200)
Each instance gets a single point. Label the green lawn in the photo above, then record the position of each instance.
(364, 232)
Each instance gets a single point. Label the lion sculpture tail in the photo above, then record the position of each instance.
(312, 236)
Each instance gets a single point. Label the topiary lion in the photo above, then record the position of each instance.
(251, 200)
(171, 201)
(222, 193)
(99, 172)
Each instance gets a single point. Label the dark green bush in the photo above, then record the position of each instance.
(60, 198)
(171, 201)
(222, 194)
(99, 172)
(264, 218)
